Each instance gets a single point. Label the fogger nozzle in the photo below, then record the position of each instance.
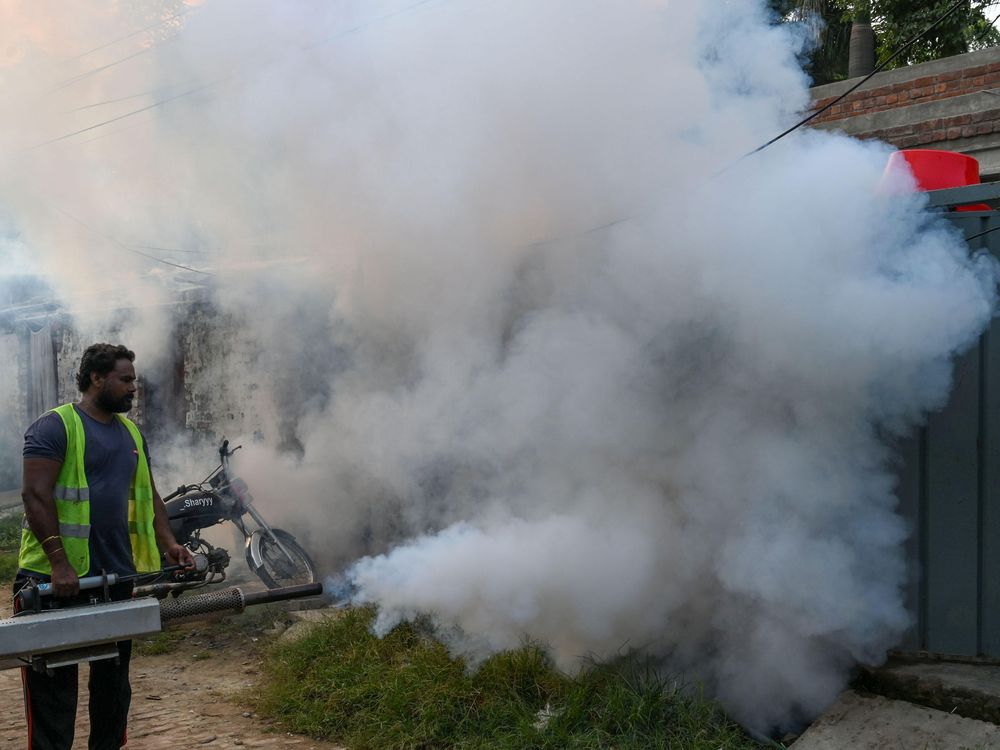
(231, 600)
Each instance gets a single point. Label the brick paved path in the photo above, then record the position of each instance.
(180, 700)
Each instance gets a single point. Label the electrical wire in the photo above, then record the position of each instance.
(134, 112)
(94, 71)
(189, 92)
(168, 19)
(881, 66)
(123, 246)
(982, 35)
(117, 100)
(878, 68)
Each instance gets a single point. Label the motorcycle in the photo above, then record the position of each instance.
(271, 553)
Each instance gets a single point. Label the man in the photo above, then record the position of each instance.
(90, 505)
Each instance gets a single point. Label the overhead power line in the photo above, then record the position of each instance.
(143, 30)
(881, 66)
(94, 71)
(134, 112)
(326, 40)
(127, 248)
(878, 68)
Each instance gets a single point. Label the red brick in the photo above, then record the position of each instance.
(880, 101)
(953, 75)
(891, 98)
(992, 67)
(968, 131)
(953, 133)
(856, 106)
(984, 129)
(925, 81)
(940, 88)
(962, 119)
(976, 71)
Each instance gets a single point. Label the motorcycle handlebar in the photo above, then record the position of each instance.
(224, 451)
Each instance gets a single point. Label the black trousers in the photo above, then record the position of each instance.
(50, 701)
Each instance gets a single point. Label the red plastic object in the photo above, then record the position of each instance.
(937, 170)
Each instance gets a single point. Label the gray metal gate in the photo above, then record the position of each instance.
(950, 485)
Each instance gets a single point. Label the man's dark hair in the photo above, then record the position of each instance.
(100, 359)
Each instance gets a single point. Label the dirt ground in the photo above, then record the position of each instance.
(187, 698)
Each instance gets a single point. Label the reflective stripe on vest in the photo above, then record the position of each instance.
(72, 500)
(72, 494)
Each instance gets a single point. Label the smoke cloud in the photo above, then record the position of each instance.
(518, 341)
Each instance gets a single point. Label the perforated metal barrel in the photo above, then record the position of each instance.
(231, 599)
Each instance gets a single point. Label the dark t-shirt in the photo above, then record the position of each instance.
(109, 459)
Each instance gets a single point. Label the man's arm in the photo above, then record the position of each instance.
(176, 554)
(37, 487)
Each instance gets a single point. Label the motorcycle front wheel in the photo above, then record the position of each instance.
(276, 569)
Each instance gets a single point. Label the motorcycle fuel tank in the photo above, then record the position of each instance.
(194, 511)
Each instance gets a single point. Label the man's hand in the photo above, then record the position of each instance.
(178, 554)
(65, 581)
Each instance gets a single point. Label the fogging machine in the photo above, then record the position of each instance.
(45, 637)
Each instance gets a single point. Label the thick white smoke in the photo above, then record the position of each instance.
(572, 384)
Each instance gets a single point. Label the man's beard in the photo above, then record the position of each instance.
(107, 403)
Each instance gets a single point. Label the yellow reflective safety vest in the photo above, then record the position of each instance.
(72, 499)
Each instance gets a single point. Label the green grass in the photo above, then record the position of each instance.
(10, 540)
(404, 691)
(164, 642)
(10, 531)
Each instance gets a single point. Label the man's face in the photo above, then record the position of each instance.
(116, 390)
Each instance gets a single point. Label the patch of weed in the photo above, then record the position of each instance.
(10, 532)
(340, 682)
(164, 642)
(8, 567)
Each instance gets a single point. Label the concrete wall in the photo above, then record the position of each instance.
(221, 374)
(216, 366)
(951, 104)
(13, 406)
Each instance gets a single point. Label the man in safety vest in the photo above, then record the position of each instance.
(90, 505)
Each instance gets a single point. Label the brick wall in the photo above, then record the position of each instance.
(904, 93)
(952, 104)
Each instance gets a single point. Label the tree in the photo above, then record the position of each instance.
(897, 21)
(828, 23)
(894, 22)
